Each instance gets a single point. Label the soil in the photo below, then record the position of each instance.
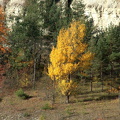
(14, 108)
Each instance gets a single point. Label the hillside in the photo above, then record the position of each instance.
(86, 106)
(103, 12)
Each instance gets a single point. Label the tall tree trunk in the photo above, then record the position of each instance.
(17, 77)
(91, 82)
(101, 76)
(119, 98)
(69, 77)
(68, 98)
(53, 92)
(34, 72)
(34, 66)
(111, 74)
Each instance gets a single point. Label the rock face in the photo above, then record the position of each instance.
(12, 7)
(103, 12)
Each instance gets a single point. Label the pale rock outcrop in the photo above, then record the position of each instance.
(103, 12)
(13, 8)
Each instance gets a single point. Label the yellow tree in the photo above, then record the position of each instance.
(69, 56)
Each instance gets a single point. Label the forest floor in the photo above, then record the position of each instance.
(94, 105)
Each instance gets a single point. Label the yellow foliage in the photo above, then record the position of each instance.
(69, 54)
(24, 81)
(67, 87)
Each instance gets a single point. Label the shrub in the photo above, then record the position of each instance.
(26, 114)
(20, 93)
(42, 117)
(47, 107)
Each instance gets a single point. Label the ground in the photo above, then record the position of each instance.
(86, 106)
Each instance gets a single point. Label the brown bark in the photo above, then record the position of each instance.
(68, 99)
(101, 76)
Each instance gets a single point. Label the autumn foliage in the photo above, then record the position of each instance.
(69, 55)
(3, 32)
(3, 46)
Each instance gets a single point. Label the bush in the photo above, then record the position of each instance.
(26, 114)
(20, 93)
(42, 117)
(47, 107)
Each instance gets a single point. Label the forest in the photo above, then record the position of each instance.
(58, 51)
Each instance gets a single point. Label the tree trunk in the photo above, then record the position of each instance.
(111, 74)
(34, 72)
(53, 92)
(101, 77)
(110, 79)
(91, 83)
(34, 66)
(68, 97)
(91, 86)
(119, 98)
(69, 77)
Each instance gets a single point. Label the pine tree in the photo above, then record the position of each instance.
(112, 36)
(51, 15)
(25, 37)
(107, 54)
(78, 11)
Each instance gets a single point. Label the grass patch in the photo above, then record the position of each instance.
(42, 117)
(69, 110)
(87, 99)
(20, 93)
(107, 97)
(26, 114)
(47, 107)
(97, 97)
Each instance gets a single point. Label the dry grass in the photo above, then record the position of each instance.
(83, 107)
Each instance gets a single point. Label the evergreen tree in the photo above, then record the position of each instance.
(108, 54)
(78, 11)
(113, 41)
(25, 37)
(51, 15)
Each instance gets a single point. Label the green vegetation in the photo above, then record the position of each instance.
(82, 61)
(47, 106)
(69, 111)
(42, 117)
(85, 104)
(20, 93)
(26, 114)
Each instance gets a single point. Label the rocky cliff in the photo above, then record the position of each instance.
(103, 12)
